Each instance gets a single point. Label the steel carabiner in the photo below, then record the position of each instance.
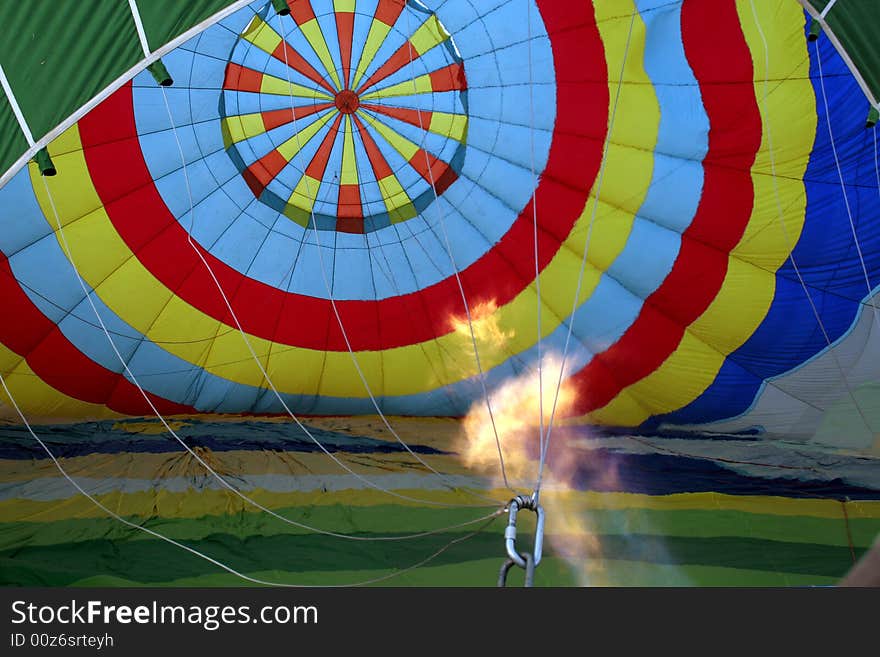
(510, 563)
(514, 506)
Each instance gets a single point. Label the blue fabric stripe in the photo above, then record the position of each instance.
(825, 254)
(222, 195)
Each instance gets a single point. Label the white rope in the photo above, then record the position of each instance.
(139, 26)
(255, 357)
(852, 224)
(204, 556)
(541, 437)
(874, 131)
(329, 289)
(16, 109)
(199, 459)
(448, 246)
(195, 455)
(247, 342)
(577, 292)
(781, 220)
(388, 274)
(827, 9)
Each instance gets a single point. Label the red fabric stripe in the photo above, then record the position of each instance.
(301, 11)
(60, 364)
(277, 118)
(270, 313)
(389, 11)
(353, 225)
(441, 175)
(449, 176)
(284, 53)
(318, 164)
(377, 160)
(349, 203)
(263, 171)
(708, 30)
(394, 63)
(239, 78)
(449, 78)
(345, 30)
(420, 119)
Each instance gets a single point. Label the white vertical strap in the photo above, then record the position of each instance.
(15, 108)
(827, 9)
(139, 25)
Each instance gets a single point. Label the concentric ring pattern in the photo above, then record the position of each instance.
(349, 165)
(353, 142)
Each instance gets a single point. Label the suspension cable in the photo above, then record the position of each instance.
(580, 280)
(133, 525)
(849, 215)
(247, 342)
(392, 279)
(333, 305)
(481, 375)
(541, 437)
(222, 480)
(781, 221)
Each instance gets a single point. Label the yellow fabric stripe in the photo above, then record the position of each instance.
(709, 501)
(262, 35)
(244, 126)
(313, 34)
(401, 144)
(453, 126)
(393, 195)
(349, 159)
(191, 504)
(71, 201)
(749, 286)
(278, 87)
(37, 399)
(292, 146)
(429, 34)
(413, 87)
(344, 6)
(628, 169)
(375, 39)
(186, 332)
(159, 466)
(305, 193)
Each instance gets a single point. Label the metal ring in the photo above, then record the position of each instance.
(529, 562)
(530, 503)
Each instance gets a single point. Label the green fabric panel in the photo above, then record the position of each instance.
(389, 519)
(552, 572)
(857, 26)
(707, 524)
(293, 558)
(381, 519)
(640, 547)
(165, 20)
(12, 141)
(60, 54)
(288, 555)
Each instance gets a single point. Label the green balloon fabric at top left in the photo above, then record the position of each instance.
(62, 54)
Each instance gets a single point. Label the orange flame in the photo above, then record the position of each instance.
(485, 322)
(515, 410)
(516, 407)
